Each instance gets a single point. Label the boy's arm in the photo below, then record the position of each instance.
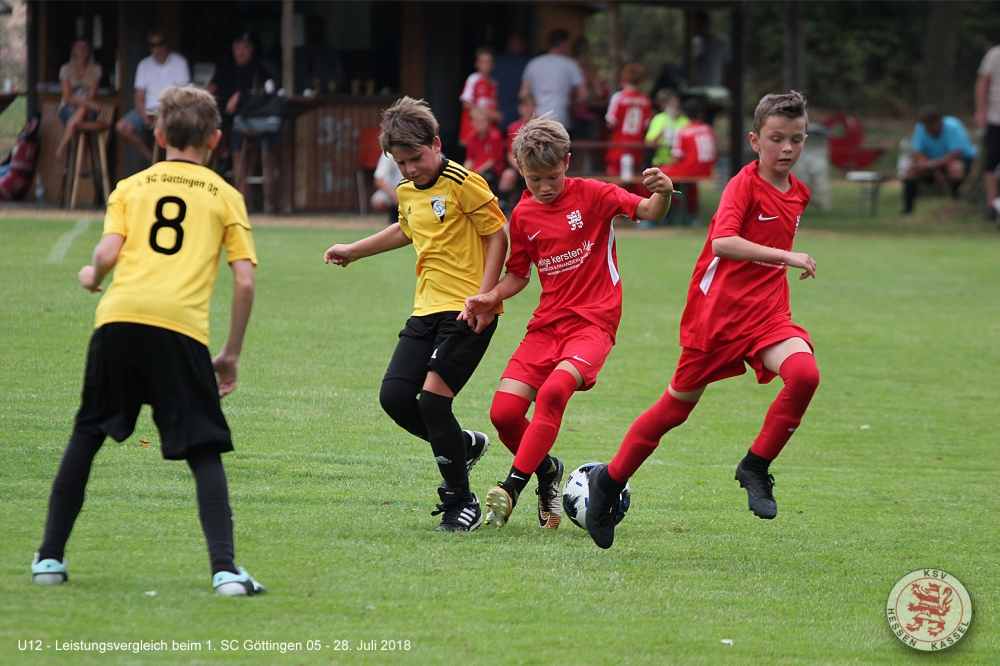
(740, 249)
(496, 252)
(105, 255)
(480, 304)
(390, 238)
(657, 205)
(227, 361)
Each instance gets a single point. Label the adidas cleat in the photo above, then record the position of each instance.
(479, 443)
(459, 515)
(239, 584)
(48, 572)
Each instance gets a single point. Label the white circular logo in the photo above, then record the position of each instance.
(929, 609)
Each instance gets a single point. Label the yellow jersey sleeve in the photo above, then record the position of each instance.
(481, 206)
(236, 233)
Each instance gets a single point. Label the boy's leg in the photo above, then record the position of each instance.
(405, 376)
(213, 508)
(793, 361)
(508, 412)
(67, 495)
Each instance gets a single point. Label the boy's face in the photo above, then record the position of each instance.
(526, 110)
(481, 124)
(484, 64)
(420, 166)
(780, 142)
(544, 182)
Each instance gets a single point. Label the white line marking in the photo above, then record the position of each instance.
(59, 250)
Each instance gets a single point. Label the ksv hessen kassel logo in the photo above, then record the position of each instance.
(929, 609)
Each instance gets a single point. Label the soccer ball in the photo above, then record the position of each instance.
(576, 495)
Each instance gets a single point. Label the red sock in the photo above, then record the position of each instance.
(507, 414)
(550, 403)
(644, 435)
(801, 377)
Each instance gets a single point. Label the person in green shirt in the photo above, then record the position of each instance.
(665, 124)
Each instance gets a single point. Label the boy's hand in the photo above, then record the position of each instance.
(88, 279)
(658, 182)
(226, 368)
(478, 311)
(803, 261)
(339, 254)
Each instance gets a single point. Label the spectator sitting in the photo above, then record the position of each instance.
(387, 177)
(694, 156)
(243, 74)
(511, 178)
(942, 152)
(480, 92)
(155, 73)
(79, 78)
(484, 148)
(664, 125)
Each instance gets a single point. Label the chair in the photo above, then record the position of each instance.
(846, 151)
(90, 137)
(369, 152)
(248, 162)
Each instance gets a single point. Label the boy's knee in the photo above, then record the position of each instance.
(800, 373)
(507, 410)
(433, 407)
(395, 396)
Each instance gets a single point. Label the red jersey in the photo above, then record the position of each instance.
(479, 149)
(572, 243)
(478, 91)
(693, 152)
(629, 111)
(728, 299)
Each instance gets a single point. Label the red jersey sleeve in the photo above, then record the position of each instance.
(518, 263)
(736, 202)
(608, 200)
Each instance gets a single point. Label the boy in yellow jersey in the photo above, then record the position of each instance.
(452, 219)
(164, 229)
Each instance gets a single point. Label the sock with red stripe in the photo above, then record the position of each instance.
(507, 413)
(801, 377)
(541, 433)
(645, 434)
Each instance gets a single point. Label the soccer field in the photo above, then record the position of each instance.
(893, 469)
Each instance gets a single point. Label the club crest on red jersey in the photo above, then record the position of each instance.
(575, 220)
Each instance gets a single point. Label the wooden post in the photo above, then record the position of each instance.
(738, 95)
(795, 46)
(288, 46)
(614, 47)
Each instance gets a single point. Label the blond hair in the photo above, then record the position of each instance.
(188, 116)
(407, 124)
(541, 142)
(790, 105)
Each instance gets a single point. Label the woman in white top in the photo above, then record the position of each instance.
(79, 78)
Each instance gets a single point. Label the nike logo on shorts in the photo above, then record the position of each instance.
(765, 219)
(532, 236)
(581, 360)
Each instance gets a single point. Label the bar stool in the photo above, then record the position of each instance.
(248, 162)
(89, 137)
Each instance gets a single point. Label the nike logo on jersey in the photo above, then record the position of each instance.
(532, 236)
(765, 219)
(580, 359)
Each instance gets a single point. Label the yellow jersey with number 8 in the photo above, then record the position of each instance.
(176, 217)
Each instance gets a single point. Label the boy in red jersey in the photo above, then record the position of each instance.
(484, 149)
(479, 92)
(564, 227)
(694, 154)
(737, 312)
(628, 116)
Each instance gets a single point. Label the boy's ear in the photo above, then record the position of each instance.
(160, 137)
(213, 139)
(436, 144)
(568, 155)
(754, 142)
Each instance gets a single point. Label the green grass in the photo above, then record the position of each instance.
(892, 470)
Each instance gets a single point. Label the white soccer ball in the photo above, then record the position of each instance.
(576, 496)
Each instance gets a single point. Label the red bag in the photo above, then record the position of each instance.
(22, 160)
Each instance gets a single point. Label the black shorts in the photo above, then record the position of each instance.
(441, 343)
(129, 365)
(992, 144)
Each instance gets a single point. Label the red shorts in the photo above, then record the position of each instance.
(697, 369)
(578, 341)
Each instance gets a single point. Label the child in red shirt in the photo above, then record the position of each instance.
(628, 116)
(484, 148)
(479, 92)
(564, 227)
(511, 179)
(737, 312)
(694, 154)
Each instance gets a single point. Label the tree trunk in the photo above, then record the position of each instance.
(937, 71)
